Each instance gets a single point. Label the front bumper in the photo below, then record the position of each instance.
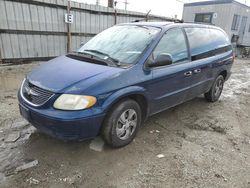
(75, 126)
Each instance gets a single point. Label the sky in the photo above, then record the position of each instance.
(168, 8)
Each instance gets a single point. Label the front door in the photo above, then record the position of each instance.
(170, 83)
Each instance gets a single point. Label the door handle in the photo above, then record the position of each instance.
(189, 73)
(196, 71)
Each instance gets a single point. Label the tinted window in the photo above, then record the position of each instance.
(206, 17)
(174, 44)
(205, 42)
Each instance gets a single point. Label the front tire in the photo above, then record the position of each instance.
(215, 92)
(122, 123)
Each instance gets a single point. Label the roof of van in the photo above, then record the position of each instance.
(164, 24)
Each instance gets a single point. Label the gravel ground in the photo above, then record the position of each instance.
(196, 144)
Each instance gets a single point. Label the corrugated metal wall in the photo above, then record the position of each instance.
(36, 29)
(224, 17)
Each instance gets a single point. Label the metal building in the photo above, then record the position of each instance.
(39, 29)
(230, 15)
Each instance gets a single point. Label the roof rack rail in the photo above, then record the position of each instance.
(204, 23)
(168, 20)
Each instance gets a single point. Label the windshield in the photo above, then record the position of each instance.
(122, 43)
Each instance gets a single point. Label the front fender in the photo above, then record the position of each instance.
(122, 93)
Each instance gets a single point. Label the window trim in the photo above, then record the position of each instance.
(173, 64)
(235, 26)
(188, 27)
(202, 14)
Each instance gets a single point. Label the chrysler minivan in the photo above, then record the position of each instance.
(123, 75)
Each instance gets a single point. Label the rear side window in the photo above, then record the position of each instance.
(206, 42)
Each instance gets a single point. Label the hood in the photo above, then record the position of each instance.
(63, 72)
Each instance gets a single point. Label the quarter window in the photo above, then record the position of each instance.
(174, 44)
(236, 22)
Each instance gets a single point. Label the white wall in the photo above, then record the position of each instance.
(225, 13)
(38, 30)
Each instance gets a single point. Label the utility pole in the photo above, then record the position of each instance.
(115, 3)
(126, 4)
(112, 4)
(68, 30)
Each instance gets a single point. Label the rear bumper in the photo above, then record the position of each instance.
(63, 128)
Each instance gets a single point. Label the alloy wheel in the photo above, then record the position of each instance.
(218, 88)
(126, 124)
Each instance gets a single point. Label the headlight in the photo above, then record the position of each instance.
(74, 102)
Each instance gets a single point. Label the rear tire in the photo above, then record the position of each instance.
(122, 123)
(215, 92)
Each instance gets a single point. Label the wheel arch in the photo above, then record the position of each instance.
(135, 93)
(224, 74)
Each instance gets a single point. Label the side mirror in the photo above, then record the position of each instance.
(161, 60)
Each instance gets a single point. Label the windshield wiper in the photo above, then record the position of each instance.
(107, 56)
(91, 58)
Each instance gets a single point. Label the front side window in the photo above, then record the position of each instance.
(174, 44)
(203, 17)
(236, 22)
(124, 43)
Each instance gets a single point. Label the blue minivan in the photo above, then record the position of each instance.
(123, 75)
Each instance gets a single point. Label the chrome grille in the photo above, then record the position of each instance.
(35, 95)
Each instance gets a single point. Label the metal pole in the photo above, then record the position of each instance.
(68, 30)
(115, 16)
(115, 12)
(126, 4)
(1, 61)
(147, 15)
